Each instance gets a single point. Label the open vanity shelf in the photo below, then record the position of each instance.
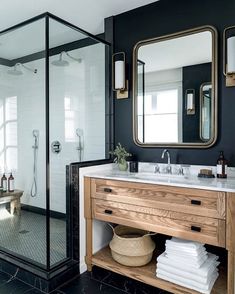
(147, 274)
(166, 210)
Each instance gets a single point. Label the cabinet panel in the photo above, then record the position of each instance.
(193, 201)
(191, 227)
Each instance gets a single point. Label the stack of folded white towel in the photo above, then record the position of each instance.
(188, 264)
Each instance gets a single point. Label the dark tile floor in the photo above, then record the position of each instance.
(99, 281)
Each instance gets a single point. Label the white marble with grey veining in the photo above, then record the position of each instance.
(188, 180)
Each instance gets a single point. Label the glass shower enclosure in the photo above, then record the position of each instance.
(53, 111)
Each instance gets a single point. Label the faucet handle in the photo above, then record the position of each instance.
(168, 169)
(157, 169)
(181, 171)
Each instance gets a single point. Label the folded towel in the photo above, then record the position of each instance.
(193, 261)
(184, 243)
(184, 274)
(180, 252)
(192, 251)
(210, 263)
(188, 284)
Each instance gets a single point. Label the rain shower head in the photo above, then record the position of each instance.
(61, 62)
(16, 70)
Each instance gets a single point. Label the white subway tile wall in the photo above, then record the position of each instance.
(77, 101)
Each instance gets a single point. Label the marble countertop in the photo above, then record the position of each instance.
(187, 181)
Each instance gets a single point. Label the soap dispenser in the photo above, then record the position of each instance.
(4, 183)
(11, 185)
(222, 166)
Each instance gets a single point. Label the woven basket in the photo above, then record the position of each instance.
(131, 247)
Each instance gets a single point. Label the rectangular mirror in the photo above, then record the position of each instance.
(175, 90)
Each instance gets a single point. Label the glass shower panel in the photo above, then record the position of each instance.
(22, 140)
(77, 119)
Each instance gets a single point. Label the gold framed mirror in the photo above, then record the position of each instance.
(168, 74)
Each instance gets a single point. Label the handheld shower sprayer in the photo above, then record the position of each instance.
(79, 133)
(34, 189)
(36, 137)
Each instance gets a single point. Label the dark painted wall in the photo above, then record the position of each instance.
(165, 17)
(193, 77)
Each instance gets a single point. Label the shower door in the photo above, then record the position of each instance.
(53, 112)
(22, 141)
(77, 121)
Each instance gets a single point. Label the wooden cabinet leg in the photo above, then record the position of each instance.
(231, 272)
(88, 244)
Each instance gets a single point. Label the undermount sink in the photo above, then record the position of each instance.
(151, 176)
(155, 176)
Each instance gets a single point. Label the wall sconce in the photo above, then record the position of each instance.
(229, 57)
(190, 101)
(120, 83)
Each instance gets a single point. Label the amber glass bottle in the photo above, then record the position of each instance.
(4, 183)
(222, 165)
(11, 185)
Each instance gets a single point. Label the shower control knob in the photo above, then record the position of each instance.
(56, 147)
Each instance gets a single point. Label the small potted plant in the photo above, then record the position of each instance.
(120, 155)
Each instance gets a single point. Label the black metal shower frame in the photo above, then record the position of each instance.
(48, 271)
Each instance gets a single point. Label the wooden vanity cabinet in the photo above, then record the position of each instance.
(194, 214)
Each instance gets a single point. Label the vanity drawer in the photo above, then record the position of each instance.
(193, 201)
(182, 225)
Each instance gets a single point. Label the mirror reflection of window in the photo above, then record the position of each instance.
(205, 111)
(159, 107)
(161, 121)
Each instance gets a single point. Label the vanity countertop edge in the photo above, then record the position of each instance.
(221, 185)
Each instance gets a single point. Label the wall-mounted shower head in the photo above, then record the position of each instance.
(16, 70)
(61, 62)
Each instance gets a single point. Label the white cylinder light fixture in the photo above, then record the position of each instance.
(229, 56)
(120, 83)
(190, 101)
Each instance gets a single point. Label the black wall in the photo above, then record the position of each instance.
(165, 17)
(193, 77)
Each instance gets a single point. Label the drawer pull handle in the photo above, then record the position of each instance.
(107, 211)
(195, 229)
(196, 202)
(107, 190)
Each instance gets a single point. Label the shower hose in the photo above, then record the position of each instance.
(34, 188)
